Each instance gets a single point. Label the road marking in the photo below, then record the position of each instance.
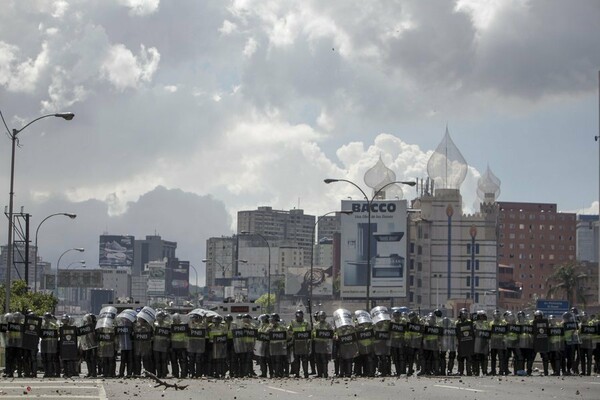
(50, 396)
(48, 387)
(458, 388)
(283, 390)
(593, 383)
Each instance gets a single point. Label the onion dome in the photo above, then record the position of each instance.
(447, 167)
(488, 186)
(378, 176)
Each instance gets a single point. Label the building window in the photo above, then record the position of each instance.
(476, 297)
(468, 281)
(476, 281)
(468, 265)
(468, 248)
(476, 265)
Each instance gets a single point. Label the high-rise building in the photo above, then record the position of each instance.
(588, 236)
(153, 248)
(220, 259)
(533, 239)
(280, 228)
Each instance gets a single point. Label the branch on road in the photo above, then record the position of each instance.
(163, 383)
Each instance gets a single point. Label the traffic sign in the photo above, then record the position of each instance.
(553, 306)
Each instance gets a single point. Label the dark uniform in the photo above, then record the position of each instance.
(49, 346)
(196, 346)
(322, 344)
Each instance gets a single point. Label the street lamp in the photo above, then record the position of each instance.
(79, 249)
(268, 266)
(369, 206)
(224, 267)
(312, 251)
(9, 254)
(35, 269)
(82, 262)
(195, 272)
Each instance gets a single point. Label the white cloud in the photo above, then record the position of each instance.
(61, 93)
(228, 27)
(250, 47)
(124, 70)
(140, 7)
(21, 76)
(170, 88)
(60, 8)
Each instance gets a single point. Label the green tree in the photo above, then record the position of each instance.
(263, 300)
(22, 299)
(567, 281)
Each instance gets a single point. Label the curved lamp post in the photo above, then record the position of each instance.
(9, 254)
(82, 262)
(268, 266)
(79, 249)
(35, 269)
(369, 204)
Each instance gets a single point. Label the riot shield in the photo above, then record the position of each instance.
(466, 339)
(106, 318)
(68, 343)
(379, 314)
(86, 335)
(31, 332)
(342, 317)
(362, 317)
(541, 338)
(148, 314)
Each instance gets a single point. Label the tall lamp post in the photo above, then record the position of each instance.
(195, 272)
(35, 262)
(9, 254)
(81, 262)
(369, 206)
(268, 266)
(312, 252)
(79, 249)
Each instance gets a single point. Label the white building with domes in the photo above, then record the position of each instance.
(452, 259)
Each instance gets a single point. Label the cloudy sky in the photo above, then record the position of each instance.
(188, 111)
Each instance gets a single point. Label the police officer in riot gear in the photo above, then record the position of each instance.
(88, 344)
(179, 357)
(364, 364)
(413, 339)
(299, 331)
(483, 335)
(466, 342)
(124, 336)
(345, 336)
(498, 344)
(49, 345)
(162, 343)
(196, 346)
(541, 343)
(68, 346)
(323, 341)
(142, 341)
(218, 340)
(448, 346)
(588, 330)
(277, 346)
(397, 329)
(261, 346)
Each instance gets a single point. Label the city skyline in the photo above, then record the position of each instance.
(188, 112)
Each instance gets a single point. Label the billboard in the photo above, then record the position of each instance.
(116, 251)
(298, 280)
(85, 278)
(386, 247)
(179, 285)
(156, 279)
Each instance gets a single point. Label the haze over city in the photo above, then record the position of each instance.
(187, 112)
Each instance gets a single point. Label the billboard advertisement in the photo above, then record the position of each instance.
(179, 279)
(85, 278)
(156, 279)
(116, 251)
(386, 248)
(298, 280)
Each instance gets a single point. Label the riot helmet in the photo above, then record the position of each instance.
(584, 317)
(176, 318)
(65, 319)
(438, 313)
(463, 314)
(299, 315)
(322, 316)
(538, 315)
(275, 317)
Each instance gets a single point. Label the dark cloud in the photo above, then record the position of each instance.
(185, 218)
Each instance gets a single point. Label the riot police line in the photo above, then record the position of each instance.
(381, 342)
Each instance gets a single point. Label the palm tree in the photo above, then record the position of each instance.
(567, 280)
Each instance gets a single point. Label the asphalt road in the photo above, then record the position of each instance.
(451, 388)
